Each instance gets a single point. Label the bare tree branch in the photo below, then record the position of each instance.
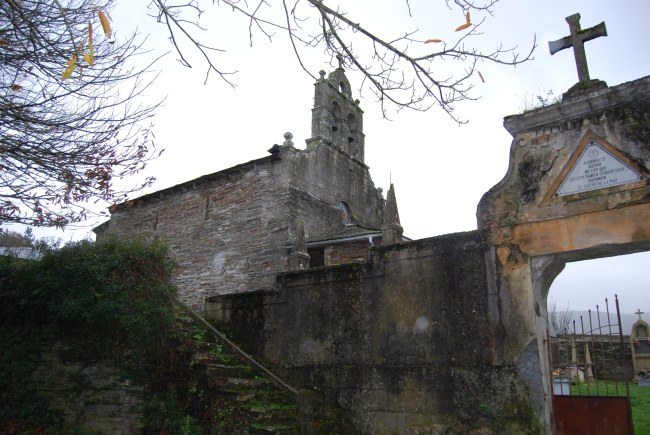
(170, 16)
(397, 78)
(559, 318)
(63, 142)
(65, 138)
(293, 41)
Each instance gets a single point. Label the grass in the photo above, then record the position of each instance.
(533, 102)
(639, 396)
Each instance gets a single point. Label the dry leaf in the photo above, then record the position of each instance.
(16, 88)
(480, 75)
(90, 56)
(105, 24)
(428, 41)
(468, 23)
(69, 67)
(4, 42)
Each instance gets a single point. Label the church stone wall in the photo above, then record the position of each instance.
(403, 343)
(330, 175)
(352, 252)
(231, 231)
(316, 215)
(228, 233)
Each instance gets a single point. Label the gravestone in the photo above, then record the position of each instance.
(640, 340)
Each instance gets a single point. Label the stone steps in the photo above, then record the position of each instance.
(240, 401)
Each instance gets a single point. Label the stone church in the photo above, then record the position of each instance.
(233, 231)
(301, 258)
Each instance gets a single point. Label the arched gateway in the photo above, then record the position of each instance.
(576, 189)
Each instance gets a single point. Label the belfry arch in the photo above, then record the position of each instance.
(563, 199)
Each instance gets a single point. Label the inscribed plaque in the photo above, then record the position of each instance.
(596, 168)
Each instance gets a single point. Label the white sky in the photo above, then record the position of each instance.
(440, 169)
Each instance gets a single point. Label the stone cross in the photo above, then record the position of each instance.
(638, 313)
(340, 59)
(577, 40)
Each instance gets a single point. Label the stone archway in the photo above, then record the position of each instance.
(544, 270)
(560, 201)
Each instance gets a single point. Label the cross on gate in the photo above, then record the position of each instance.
(577, 40)
(638, 313)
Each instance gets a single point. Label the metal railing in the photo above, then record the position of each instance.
(592, 355)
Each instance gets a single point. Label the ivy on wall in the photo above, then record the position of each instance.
(109, 301)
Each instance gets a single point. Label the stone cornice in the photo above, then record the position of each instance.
(578, 107)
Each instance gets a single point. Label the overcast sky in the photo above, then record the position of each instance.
(440, 169)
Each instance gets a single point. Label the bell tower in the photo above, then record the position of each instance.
(336, 117)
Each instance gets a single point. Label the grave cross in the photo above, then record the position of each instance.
(638, 313)
(577, 40)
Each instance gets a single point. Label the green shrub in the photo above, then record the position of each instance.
(167, 415)
(108, 300)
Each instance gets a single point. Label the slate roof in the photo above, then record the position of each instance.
(349, 232)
